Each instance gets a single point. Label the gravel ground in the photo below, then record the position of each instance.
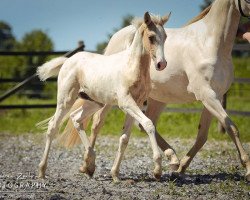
(215, 173)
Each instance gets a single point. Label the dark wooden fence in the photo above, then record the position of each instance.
(32, 78)
(239, 47)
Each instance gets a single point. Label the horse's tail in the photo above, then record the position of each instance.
(50, 68)
(200, 16)
(70, 136)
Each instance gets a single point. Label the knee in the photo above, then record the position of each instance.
(75, 122)
(124, 139)
(51, 130)
(149, 127)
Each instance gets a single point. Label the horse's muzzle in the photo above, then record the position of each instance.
(161, 65)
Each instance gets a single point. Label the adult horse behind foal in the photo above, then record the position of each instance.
(199, 68)
(120, 79)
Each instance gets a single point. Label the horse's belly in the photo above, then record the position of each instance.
(174, 90)
(100, 93)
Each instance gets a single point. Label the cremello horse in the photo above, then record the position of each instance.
(120, 79)
(199, 68)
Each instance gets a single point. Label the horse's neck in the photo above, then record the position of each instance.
(139, 59)
(222, 21)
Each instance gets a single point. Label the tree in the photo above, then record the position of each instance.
(7, 43)
(7, 40)
(23, 66)
(35, 40)
(125, 22)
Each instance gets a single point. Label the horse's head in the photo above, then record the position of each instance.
(154, 37)
(244, 7)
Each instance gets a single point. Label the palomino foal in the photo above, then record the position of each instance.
(120, 79)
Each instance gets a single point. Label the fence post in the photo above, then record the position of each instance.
(81, 45)
(224, 105)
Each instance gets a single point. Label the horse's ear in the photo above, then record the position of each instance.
(165, 18)
(147, 18)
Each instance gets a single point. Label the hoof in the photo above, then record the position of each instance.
(41, 171)
(248, 177)
(176, 174)
(41, 175)
(174, 166)
(116, 179)
(82, 169)
(157, 175)
(115, 176)
(87, 171)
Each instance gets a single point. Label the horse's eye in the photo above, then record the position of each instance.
(151, 39)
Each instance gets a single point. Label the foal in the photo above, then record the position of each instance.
(120, 79)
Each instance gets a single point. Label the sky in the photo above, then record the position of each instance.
(68, 21)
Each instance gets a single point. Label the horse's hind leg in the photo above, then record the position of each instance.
(98, 121)
(122, 147)
(153, 112)
(201, 139)
(77, 116)
(64, 103)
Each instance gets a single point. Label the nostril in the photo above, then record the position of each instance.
(159, 65)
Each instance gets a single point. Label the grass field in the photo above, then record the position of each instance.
(170, 124)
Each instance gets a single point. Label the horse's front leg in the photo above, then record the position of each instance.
(124, 139)
(153, 112)
(129, 106)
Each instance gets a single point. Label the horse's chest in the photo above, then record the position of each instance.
(222, 77)
(140, 90)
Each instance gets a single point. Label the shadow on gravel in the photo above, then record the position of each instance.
(183, 180)
(202, 179)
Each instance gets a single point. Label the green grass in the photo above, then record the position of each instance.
(21, 121)
(170, 125)
(242, 67)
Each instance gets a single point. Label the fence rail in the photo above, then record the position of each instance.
(33, 53)
(18, 80)
(241, 47)
(34, 76)
(169, 110)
